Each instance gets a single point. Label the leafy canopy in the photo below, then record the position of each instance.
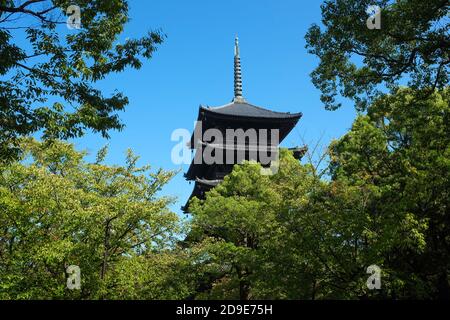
(412, 46)
(296, 236)
(47, 81)
(57, 210)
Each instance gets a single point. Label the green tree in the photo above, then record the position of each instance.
(47, 82)
(356, 62)
(57, 210)
(247, 222)
(238, 214)
(400, 154)
(295, 235)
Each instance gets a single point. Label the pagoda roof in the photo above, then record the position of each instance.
(207, 182)
(200, 187)
(238, 114)
(231, 146)
(241, 108)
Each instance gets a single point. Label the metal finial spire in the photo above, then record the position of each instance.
(236, 46)
(237, 73)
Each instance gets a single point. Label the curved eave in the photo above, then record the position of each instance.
(277, 116)
(210, 183)
(298, 152)
(288, 121)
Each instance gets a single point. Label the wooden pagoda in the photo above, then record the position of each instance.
(239, 114)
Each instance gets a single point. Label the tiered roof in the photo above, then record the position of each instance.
(237, 114)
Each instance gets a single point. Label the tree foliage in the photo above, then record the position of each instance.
(400, 153)
(296, 236)
(359, 63)
(58, 210)
(47, 81)
(292, 235)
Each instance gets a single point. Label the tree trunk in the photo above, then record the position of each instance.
(105, 250)
(244, 290)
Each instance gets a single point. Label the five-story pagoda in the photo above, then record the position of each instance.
(239, 116)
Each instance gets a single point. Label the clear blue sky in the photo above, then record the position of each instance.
(195, 66)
